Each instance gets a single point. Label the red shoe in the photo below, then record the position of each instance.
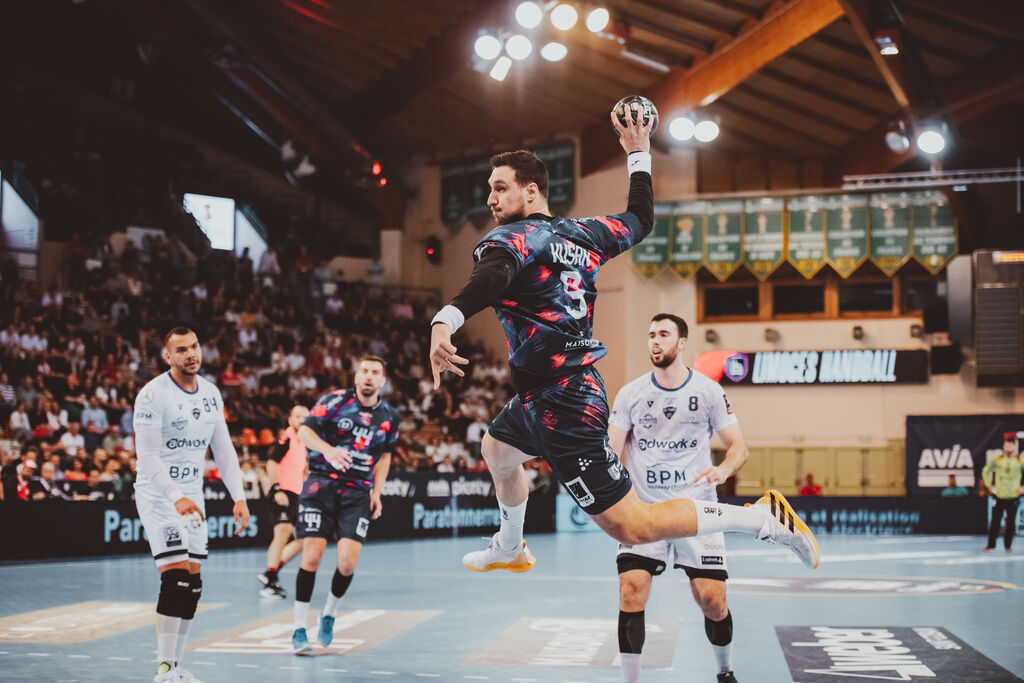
(987, 550)
(1008, 550)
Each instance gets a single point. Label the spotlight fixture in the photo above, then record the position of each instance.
(554, 52)
(896, 138)
(710, 336)
(681, 128)
(564, 17)
(487, 46)
(598, 19)
(500, 68)
(887, 40)
(518, 47)
(529, 14)
(931, 137)
(706, 131)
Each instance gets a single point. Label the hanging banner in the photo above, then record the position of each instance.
(560, 158)
(686, 253)
(890, 231)
(724, 238)
(763, 237)
(650, 257)
(453, 195)
(846, 232)
(935, 238)
(806, 238)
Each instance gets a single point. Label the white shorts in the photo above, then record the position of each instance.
(699, 556)
(172, 538)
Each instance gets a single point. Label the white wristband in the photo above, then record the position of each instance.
(450, 316)
(639, 161)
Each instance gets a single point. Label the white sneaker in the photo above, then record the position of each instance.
(165, 673)
(519, 560)
(185, 676)
(783, 526)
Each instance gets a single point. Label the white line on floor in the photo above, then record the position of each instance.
(38, 654)
(120, 659)
(478, 678)
(337, 671)
(429, 675)
(80, 656)
(290, 668)
(383, 673)
(247, 666)
(204, 663)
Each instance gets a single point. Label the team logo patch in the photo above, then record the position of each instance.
(180, 423)
(650, 403)
(345, 424)
(648, 421)
(196, 413)
(711, 559)
(669, 411)
(737, 366)
(147, 396)
(580, 492)
(172, 536)
(615, 470)
(362, 527)
(365, 419)
(728, 406)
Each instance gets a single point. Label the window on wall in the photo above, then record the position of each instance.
(798, 299)
(865, 297)
(722, 302)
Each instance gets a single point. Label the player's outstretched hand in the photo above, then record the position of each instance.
(186, 507)
(634, 136)
(442, 353)
(376, 506)
(715, 475)
(241, 512)
(339, 458)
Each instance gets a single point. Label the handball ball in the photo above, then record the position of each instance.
(636, 104)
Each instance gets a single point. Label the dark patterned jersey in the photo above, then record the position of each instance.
(367, 433)
(548, 309)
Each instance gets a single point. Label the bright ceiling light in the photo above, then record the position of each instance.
(598, 19)
(554, 52)
(564, 17)
(896, 138)
(681, 128)
(931, 140)
(501, 67)
(487, 47)
(529, 14)
(705, 131)
(518, 46)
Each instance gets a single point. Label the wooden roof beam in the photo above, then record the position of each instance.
(1001, 17)
(706, 81)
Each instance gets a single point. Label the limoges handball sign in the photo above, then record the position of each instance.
(842, 366)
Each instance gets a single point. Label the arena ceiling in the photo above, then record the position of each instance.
(352, 82)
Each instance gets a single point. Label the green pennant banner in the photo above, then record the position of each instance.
(846, 232)
(687, 232)
(935, 235)
(724, 238)
(890, 231)
(651, 256)
(560, 158)
(806, 236)
(763, 236)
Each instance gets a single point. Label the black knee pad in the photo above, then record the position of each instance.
(175, 594)
(719, 632)
(632, 631)
(197, 592)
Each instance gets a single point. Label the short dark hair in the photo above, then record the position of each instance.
(177, 331)
(684, 331)
(374, 359)
(528, 167)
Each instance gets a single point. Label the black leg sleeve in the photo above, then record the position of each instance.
(631, 632)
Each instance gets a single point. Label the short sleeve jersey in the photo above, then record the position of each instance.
(547, 311)
(367, 433)
(669, 442)
(291, 462)
(185, 423)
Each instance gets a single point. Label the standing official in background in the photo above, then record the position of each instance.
(1002, 476)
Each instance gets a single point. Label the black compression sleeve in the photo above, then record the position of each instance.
(491, 276)
(641, 199)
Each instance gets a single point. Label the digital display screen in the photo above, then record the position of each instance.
(216, 218)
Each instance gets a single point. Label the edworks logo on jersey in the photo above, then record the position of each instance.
(174, 444)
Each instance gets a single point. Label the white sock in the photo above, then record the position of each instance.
(712, 517)
(723, 656)
(300, 614)
(179, 650)
(630, 664)
(510, 535)
(331, 606)
(167, 637)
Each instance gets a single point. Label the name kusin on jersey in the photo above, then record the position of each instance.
(569, 254)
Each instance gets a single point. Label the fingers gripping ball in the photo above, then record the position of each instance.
(635, 104)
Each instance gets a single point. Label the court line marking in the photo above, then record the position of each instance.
(38, 654)
(248, 666)
(80, 656)
(429, 675)
(382, 673)
(120, 659)
(337, 671)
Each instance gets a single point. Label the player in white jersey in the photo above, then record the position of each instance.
(178, 415)
(660, 427)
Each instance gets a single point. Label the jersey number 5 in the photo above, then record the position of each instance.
(577, 306)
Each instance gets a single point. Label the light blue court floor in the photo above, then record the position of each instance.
(909, 608)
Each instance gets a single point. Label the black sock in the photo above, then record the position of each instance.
(304, 585)
(631, 632)
(719, 632)
(339, 584)
(271, 575)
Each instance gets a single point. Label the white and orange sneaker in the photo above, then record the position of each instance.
(520, 560)
(783, 526)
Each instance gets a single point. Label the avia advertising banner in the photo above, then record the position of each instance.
(940, 446)
(841, 366)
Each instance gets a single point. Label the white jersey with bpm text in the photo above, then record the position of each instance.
(670, 430)
(185, 423)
